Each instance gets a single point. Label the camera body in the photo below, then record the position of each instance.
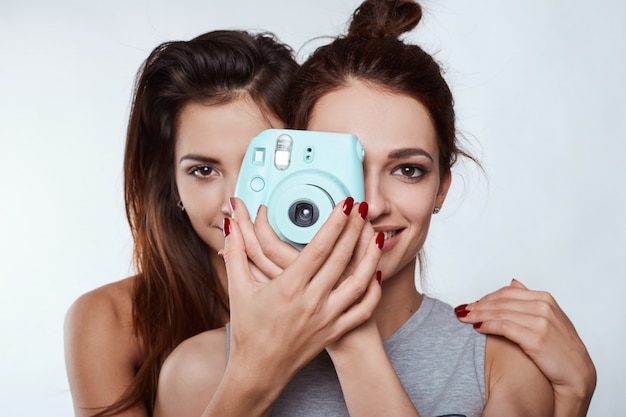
(300, 176)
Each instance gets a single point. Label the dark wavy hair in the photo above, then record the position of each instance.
(372, 52)
(176, 293)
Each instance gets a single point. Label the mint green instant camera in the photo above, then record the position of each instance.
(300, 175)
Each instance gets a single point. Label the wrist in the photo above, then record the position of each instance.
(574, 401)
(249, 388)
(357, 345)
(570, 405)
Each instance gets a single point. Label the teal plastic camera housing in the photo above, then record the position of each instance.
(300, 175)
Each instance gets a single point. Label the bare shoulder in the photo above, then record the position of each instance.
(102, 352)
(515, 386)
(105, 311)
(191, 374)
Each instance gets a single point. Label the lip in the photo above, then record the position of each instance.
(391, 242)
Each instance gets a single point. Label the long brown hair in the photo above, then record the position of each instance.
(176, 292)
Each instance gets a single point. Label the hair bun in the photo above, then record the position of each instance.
(384, 18)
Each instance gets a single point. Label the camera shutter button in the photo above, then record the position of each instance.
(257, 184)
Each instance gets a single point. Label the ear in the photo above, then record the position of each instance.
(444, 186)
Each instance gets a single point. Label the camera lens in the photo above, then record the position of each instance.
(303, 213)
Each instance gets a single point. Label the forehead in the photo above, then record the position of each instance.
(227, 126)
(382, 120)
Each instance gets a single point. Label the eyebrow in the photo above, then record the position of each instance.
(199, 158)
(408, 152)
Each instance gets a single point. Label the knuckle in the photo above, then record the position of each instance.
(342, 258)
(542, 327)
(546, 297)
(312, 307)
(358, 287)
(544, 309)
(269, 251)
(318, 252)
(505, 327)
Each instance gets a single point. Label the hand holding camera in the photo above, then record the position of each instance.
(300, 176)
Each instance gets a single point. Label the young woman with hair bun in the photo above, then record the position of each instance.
(412, 355)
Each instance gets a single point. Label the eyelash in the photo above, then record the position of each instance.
(416, 176)
(196, 171)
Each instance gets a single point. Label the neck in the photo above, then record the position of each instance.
(400, 300)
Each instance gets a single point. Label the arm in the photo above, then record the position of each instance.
(195, 374)
(371, 390)
(369, 383)
(100, 350)
(277, 325)
(515, 386)
(534, 321)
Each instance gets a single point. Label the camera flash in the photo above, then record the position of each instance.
(282, 157)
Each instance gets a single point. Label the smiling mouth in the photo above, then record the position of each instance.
(390, 233)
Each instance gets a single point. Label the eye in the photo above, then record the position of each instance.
(202, 171)
(412, 172)
(409, 172)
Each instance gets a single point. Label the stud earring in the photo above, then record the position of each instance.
(436, 210)
(180, 205)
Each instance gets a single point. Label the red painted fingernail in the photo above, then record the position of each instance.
(226, 226)
(363, 207)
(462, 313)
(380, 240)
(379, 277)
(233, 203)
(347, 205)
(477, 325)
(461, 307)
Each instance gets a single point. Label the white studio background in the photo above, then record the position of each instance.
(540, 95)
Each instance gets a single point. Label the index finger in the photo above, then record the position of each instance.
(278, 251)
(319, 249)
(254, 249)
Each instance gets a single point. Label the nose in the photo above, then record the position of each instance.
(375, 197)
(229, 191)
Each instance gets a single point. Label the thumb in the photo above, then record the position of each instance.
(516, 284)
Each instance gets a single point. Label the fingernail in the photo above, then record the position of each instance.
(462, 313)
(226, 226)
(347, 205)
(477, 325)
(233, 203)
(461, 307)
(220, 253)
(380, 240)
(379, 277)
(363, 207)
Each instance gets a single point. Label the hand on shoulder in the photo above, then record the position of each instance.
(535, 322)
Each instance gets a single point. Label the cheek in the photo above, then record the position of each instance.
(201, 205)
(201, 208)
(414, 199)
(206, 221)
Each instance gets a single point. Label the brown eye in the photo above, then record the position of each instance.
(409, 171)
(202, 171)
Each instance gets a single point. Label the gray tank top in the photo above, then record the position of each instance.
(439, 360)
